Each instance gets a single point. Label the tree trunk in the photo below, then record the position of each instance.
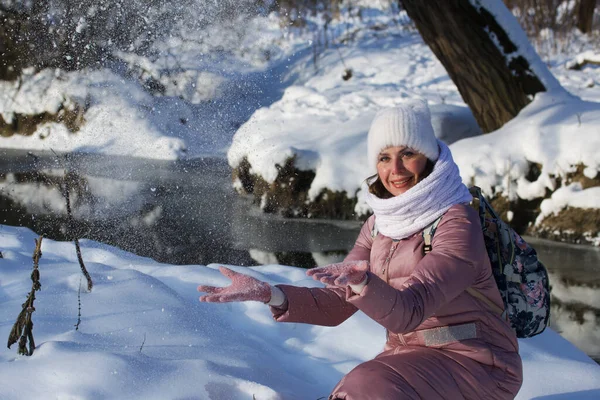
(10, 53)
(495, 84)
(585, 16)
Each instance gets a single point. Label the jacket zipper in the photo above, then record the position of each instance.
(385, 272)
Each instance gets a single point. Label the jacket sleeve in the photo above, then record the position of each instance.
(362, 246)
(328, 306)
(451, 267)
(316, 306)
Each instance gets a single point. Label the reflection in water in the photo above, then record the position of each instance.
(174, 212)
(188, 213)
(575, 279)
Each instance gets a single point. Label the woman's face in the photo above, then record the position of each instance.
(398, 168)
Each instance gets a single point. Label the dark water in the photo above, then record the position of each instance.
(186, 212)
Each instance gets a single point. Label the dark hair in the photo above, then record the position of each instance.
(378, 189)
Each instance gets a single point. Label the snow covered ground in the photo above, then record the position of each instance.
(143, 334)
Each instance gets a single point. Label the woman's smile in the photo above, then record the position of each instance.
(400, 183)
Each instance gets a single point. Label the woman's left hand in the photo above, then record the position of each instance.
(341, 274)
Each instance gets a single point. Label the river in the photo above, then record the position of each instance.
(187, 212)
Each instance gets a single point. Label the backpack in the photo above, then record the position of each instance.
(521, 277)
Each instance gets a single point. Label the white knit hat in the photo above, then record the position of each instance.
(409, 125)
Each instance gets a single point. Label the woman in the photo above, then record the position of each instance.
(442, 342)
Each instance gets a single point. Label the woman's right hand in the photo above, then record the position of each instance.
(341, 274)
(242, 288)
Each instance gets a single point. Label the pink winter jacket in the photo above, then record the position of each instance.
(409, 293)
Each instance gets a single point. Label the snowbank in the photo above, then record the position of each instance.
(120, 117)
(144, 335)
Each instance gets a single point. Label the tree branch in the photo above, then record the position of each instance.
(68, 178)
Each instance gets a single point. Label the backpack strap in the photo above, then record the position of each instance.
(478, 295)
(374, 230)
(428, 233)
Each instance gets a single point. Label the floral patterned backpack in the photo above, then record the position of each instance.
(521, 277)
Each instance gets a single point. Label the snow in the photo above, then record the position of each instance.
(514, 31)
(554, 131)
(295, 124)
(143, 334)
(586, 56)
(121, 119)
(572, 195)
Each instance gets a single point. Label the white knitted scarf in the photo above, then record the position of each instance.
(406, 214)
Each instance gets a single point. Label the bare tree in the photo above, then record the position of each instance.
(77, 34)
(585, 17)
(487, 56)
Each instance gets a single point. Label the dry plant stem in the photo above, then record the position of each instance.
(143, 341)
(79, 306)
(22, 330)
(90, 284)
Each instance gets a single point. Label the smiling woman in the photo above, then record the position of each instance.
(442, 342)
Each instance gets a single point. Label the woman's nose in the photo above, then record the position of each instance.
(397, 166)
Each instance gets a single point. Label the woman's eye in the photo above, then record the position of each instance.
(383, 158)
(408, 154)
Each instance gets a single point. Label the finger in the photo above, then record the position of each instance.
(207, 298)
(328, 268)
(317, 277)
(313, 271)
(210, 289)
(226, 298)
(328, 280)
(312, 276)
(341, 281)
(212, 299)
(228, 272)
(363, 265)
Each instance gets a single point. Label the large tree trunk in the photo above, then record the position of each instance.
(585, 16)
(495, 83)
